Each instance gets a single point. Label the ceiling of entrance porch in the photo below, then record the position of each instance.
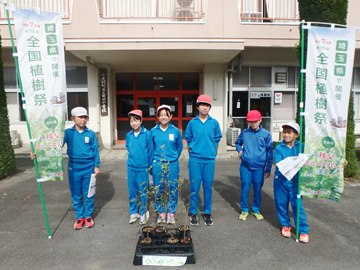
(156, 60)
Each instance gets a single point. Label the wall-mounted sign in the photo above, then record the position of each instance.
(280, 77)
(103, 81)
(277, 98)
(257, 95)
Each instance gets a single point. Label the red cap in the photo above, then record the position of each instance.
(136, 112)
(204, 99)
(253, 115)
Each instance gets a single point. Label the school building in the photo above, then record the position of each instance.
(125, 54)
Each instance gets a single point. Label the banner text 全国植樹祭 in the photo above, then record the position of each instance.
(329, 65)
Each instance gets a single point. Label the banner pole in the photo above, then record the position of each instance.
(301, 115)
(23, 101)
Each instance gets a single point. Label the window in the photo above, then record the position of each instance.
(77, 87)
(76, 77)
(10, 77)
(260, 77)
(356, 78)
(357, 106)
(124, 81)
(76, 99)
(190, 81)
(240, 105)
(292, 77)
(241, 78)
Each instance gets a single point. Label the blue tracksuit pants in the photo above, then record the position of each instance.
(285, 192)
(251, 177)
(201, 172)
(166, 174)
(79, 180)
(138, 186)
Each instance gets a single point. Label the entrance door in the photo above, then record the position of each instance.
(147, 91)
(149, 103)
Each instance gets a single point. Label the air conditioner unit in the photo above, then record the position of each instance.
(231, 135)
(184, 15)
(251, 17)
(184, 3)
(15, 139)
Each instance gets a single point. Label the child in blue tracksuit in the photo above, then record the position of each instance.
(285, 190)
(167, 150)
(202, 135)
(254, 147)
(140, 148)
(84, 160)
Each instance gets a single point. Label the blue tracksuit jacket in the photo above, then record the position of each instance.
(203, 139)
(140, 150)
(83, 152)
(167, 144)
(82, 147)
(140, 156)
(257, 149)
(285, 191)
(168, 147)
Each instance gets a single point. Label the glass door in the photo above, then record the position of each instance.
(147, 91)
(173, 102)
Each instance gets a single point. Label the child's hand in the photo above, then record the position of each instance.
(267, 175)
(240, 154)
(32, 156)
(96, 171)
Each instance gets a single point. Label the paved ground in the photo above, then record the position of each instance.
(228, 244)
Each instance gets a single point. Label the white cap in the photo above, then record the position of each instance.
(79, 111)
(295, 126)
(167, 107)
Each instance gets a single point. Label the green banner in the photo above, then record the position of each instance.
(329, 66)
(40, 51)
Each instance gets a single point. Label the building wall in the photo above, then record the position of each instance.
(150, 45)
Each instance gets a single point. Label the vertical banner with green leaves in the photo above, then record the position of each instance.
(40, 52)
(330, 57)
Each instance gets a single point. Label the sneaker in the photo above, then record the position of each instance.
(171, 218)
(134, 218)
(286, 232)
(194, 220)
(243, 216)
(304, 238)
(144, 218)
(258, 216)
(89, 222)
(79, 224)
(208, 219)
(161, 218)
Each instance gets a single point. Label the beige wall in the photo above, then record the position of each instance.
(204, 47)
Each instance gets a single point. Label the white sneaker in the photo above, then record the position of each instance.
(134, 218)
(171, 218)
(161, 218)
(144, 218)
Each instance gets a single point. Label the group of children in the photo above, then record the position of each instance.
(157, 152)
(255, 149)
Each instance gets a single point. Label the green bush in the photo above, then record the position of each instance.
(7, 155)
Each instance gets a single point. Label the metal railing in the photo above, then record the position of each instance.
(160, 10)
(62, 7)
(269, 11)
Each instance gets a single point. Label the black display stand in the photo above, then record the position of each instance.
(160, 246)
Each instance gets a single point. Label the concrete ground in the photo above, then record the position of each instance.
(228, 244)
